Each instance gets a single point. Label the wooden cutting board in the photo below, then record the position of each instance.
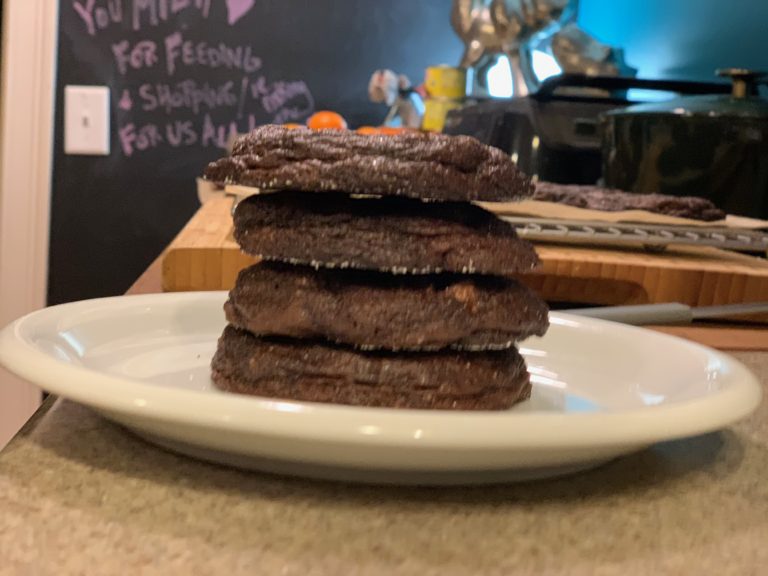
(204, 256)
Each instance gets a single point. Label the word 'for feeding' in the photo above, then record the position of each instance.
(176, 50)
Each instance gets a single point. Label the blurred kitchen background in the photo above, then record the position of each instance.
(113, 213)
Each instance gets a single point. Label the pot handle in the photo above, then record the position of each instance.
(744, 81)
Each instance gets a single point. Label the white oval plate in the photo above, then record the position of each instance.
(600, 390)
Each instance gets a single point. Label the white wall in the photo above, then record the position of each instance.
(26, 135)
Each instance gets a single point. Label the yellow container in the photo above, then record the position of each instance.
(435, 111)
(446, 82)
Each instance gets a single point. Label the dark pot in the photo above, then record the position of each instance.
(715, 147)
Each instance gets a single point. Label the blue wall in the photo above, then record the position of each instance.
(685, 39)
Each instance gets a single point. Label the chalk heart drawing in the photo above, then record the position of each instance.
(236, 9)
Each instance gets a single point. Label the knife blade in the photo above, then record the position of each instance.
(668, 313)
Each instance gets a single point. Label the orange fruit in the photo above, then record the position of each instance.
(325, 119)
(367, 130)
(292, 126)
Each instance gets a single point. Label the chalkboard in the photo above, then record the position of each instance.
(184, 75)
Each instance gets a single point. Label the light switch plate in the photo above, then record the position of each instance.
(86, 120)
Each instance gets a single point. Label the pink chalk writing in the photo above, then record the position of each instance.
(141, 55)
(97, 15)
(145, 54)
(282, 101)
(181, 133)
(187, 95)
(134, 138)
(156, 11)
(126, 102)
(282, 92)
(217, 134)
(188, 53)
(275, 96)
(176, 133)
(148, 136)
(260, 87)
(174, 112)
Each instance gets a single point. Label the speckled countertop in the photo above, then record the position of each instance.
(79, 495)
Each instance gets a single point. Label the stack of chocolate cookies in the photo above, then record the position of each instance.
(379, 282)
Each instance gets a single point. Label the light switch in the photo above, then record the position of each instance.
(86, 120)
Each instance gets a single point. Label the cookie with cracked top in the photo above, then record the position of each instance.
(414, 164)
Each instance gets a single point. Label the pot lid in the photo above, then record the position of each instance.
(743, 101)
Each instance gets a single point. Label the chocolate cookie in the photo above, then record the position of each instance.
(378, 310)
(316, 372)
(392, 234)
(419, 165)
(612, 200)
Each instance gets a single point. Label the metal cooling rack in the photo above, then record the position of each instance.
(653, 237)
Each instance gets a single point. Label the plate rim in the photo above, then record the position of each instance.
(378, 426)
